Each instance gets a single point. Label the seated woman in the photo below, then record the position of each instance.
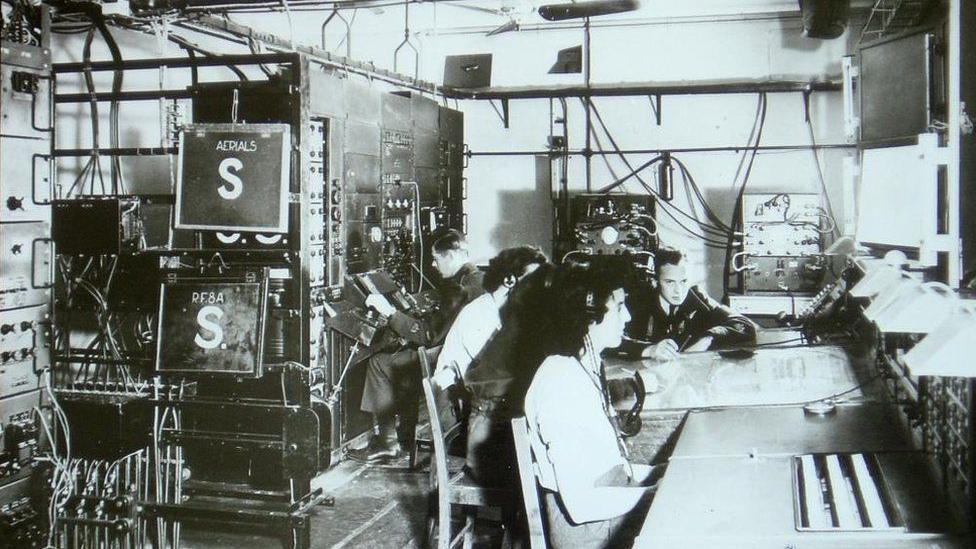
(581, 461)
(479, 320)
(500, 375)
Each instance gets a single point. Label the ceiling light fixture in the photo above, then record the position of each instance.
(591, 8)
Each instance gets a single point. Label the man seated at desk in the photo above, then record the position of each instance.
(672, 317)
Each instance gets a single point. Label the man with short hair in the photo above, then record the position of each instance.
(674, 317)
(393, 375)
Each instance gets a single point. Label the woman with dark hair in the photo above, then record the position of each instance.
(501, 373)
(479, 320)
(581, 461)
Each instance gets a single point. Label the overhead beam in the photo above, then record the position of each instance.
(622, 89)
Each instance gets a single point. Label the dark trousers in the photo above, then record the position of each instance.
(393, 389)
(618, 532)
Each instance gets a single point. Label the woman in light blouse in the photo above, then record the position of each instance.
(589, 484)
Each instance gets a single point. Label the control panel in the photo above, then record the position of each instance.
(21, 525)
(782, 223)
(20, 434)
(946, 409)
(108, 225)
(400, 233)
(782, 243)
(24, 349)
(801, 274)
(613, 224)
(26, 274)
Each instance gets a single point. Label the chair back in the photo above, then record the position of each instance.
(428, 356)
(443, 429)
(530, 490)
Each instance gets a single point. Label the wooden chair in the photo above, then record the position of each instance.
(530, 490)
(453, 489)
(422, 441)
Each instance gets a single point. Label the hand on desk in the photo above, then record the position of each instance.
(667, 349)
(381, 304)
(662, 351)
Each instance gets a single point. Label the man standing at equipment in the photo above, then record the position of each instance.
(393, 375)
(674, 317)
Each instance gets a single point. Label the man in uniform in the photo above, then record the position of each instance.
(672, 317)
(393, 375)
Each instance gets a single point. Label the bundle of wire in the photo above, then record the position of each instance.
(106, 345)
(65, 471)
(712, 230)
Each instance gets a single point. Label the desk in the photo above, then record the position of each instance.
(771, 376)
(748, 502)
(737, 432)
(730, 481)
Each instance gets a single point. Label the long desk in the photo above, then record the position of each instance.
(743, 501)
(771, 376)
(736, 432)
(731, 476)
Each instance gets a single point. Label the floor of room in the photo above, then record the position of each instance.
(386, 507)
(375, 506)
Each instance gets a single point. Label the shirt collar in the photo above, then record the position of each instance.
(666, 305)
(464, 270)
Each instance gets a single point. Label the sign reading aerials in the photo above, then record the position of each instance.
(233, 177)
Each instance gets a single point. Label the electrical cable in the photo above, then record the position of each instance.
(599, 147)
(255, 48)
(420, 233)
(94, 12)
(760, 102)
(633, 172)
(291, 27)
(93, 112)
(823, 183)
(712, 231)
(737, 208)
(274, 6)
(190, 46)
(712, 216)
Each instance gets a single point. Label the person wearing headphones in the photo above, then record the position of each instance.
(479, 320)
(392, 385)
(673, 317)
(593, 494)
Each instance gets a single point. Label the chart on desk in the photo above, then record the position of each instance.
(771, 376)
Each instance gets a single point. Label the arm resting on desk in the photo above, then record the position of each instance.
(726, 326)
(582, 451)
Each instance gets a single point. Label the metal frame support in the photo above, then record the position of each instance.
(655, 100)
(850, 75)
(406, 42)
(347, 38)
(587, 113)
(503, 113)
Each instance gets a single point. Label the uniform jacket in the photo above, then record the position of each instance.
(454, 292)
(696, 317)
